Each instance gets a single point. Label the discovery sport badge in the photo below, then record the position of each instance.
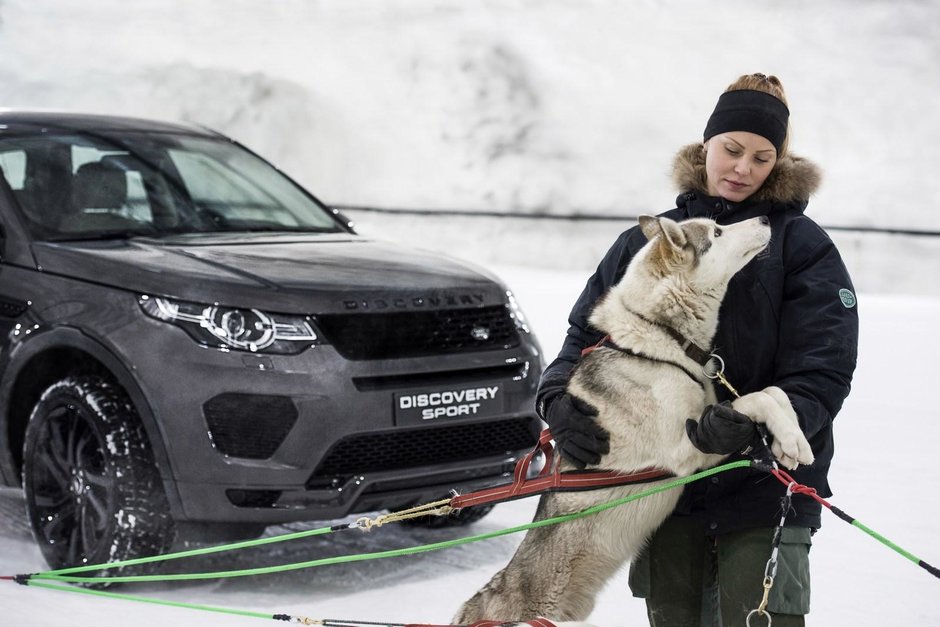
(480, 333)
(472, 401)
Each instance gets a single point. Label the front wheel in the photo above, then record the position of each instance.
(93, 492)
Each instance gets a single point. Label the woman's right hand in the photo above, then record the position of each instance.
(578, 437)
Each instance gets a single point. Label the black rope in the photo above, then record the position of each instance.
(595, 217)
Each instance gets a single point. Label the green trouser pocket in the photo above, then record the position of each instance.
(681, 563)
(790, 592)
(742, 559)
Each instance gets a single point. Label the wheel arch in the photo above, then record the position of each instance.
(47, 358)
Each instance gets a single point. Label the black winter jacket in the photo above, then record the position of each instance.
(789, 319)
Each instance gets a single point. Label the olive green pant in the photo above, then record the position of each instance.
(692, 580)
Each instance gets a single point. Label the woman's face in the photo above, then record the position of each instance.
(737, 164)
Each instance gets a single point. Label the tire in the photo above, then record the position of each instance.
(93, 492)
(462, 518)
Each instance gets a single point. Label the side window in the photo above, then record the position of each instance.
(13, 165)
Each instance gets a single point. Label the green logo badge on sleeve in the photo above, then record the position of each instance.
(847, 298)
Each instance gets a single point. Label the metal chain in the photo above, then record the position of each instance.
(437, 508)
(770, 570)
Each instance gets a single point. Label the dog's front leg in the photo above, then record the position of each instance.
(771, 407)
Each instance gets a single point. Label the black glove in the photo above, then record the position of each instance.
(578, 437)
(721, 430)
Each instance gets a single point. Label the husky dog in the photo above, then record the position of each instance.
(672, 288)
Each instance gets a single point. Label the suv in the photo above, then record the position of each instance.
(191, 345)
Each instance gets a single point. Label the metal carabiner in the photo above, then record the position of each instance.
(720, 374)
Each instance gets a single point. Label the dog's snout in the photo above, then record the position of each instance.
(764, 220)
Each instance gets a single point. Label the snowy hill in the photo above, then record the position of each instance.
(516, 106)
(549, 106)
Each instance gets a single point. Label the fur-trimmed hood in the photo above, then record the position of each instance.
(793, 179)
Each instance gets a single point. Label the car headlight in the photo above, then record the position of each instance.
(515, 311)
(233, 328)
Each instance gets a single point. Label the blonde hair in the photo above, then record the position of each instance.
(769, 85)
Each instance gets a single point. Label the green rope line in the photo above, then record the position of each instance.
(234, 546)
(933, 570)
(140, 599)
(885, 541)
(58, 576)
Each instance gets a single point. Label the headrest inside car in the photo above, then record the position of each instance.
(100, 186)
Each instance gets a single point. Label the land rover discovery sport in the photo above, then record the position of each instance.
(190, 341)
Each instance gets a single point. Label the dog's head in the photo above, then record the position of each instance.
(701, 253)
(680, 277)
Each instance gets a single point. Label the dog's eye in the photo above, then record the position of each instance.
(717, 232)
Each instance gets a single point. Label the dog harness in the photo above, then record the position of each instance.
(696, 353)
(551, 479)
(535, 622)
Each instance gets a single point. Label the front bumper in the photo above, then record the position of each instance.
(337, 401)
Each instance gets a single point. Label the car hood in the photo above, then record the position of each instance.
(288, 273)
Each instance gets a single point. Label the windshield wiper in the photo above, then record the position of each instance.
(276, 229)
(106, 235)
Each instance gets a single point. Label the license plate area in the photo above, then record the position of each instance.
(452, 402)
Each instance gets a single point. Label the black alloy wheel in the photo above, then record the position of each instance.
(93, 492)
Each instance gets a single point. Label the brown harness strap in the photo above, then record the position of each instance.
(551, 479)
(535, 622)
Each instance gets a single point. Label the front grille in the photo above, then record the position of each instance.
(249, 425)
(419, 333)
(503, 372)
(253, 498)
(397, 450)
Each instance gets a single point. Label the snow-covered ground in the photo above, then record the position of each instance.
(883, 475)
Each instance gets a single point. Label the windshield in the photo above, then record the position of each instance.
(86, 186)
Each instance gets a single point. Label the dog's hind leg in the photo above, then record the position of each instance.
(558, 570)
(540, 578)
(616, 535)
(531, 583)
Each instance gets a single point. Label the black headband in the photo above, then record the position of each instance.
(752, 111)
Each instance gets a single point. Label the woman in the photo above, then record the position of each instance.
(788, 319)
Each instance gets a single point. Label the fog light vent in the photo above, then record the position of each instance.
(252, 426)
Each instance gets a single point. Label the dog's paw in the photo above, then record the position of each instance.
(771, 407)
(792, 449)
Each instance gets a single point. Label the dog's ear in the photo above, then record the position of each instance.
(670, 230)
(673, 233)
(650, 226)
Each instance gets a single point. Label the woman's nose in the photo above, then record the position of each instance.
(742, 167)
